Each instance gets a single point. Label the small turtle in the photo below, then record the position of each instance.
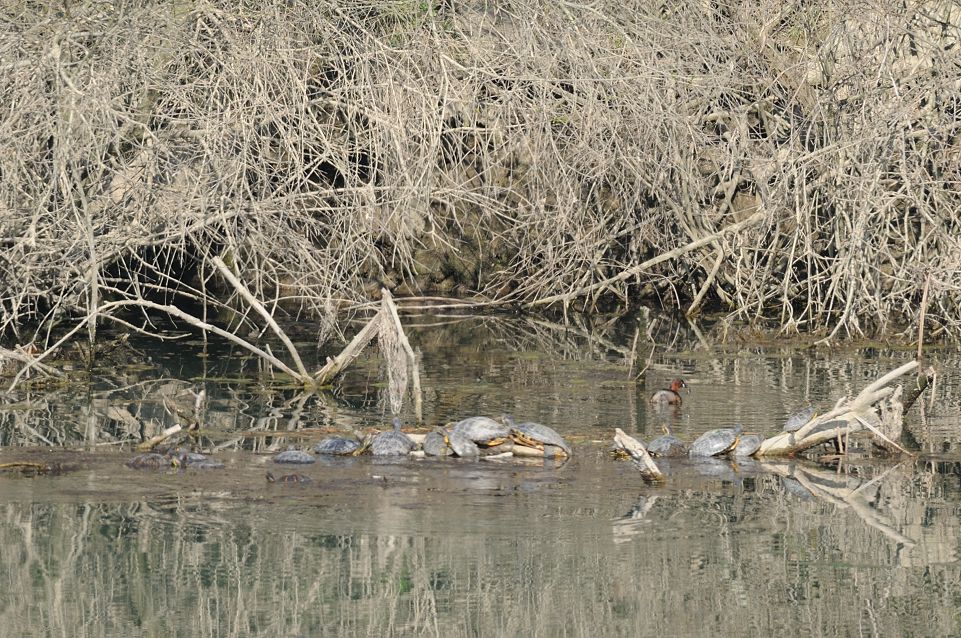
(747, 445)
(152, 461)
(294, 457)
(392, 443)
(337, 445)
(799, 419)
(536, 435)
(667, 445)
(483, 430)
(435, 443)
(461, 445)
(669, 396)
(298, 479)
(714, 442)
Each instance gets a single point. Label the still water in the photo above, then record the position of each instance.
(451, 548)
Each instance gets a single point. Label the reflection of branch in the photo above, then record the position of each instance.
(824, 485)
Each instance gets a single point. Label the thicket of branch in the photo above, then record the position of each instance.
(516, 149)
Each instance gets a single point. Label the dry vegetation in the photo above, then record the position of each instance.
(519, 150)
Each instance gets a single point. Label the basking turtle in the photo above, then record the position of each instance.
(483, 430)
(799, 419)
(747, 445)
(536, 435)
(338, 446)
(669, 396)
(714, 442)
(667, 445)
(392, 443)
(294, 457)
(461, 445)
(299, 479)
(435, 443)
(152, 461)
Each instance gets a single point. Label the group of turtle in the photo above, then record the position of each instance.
(718, 441)
(469, 438)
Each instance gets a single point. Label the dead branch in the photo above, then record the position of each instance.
(638, 453)
(847, 417)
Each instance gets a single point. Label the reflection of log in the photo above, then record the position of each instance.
(826, 486)
(645, 464)
(846, 418)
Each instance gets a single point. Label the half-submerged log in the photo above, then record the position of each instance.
(638, 453)
(876, 409)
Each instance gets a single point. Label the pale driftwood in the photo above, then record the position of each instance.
(154, 441)
(334, 365)
(254, 303)
(848, 418)
(645, 464)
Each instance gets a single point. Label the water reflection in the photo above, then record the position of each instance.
(453, 549)
(445, 547)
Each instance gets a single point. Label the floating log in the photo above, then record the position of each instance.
(638, 453)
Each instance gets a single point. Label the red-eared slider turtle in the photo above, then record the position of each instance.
(297, 457)
(747, 445)
(714, 442)
(799, 419)
(290, 479)
(461, 445)
(669, 396)
(435, 443)
(536, 435)
(392, 443)
(667, 445)
(337, 445)
(482, 430)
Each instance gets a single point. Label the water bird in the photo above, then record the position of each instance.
(669, 396)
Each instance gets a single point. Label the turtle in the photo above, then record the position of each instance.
(714, 442)
(799, 419)
(392, 443)
(152, 461)
(536, 435)
(298, 479)
(667, 445)
(435, 443)
(461, 444)
(337, 446)
(295, 457)
(483, 430)
(747, 445)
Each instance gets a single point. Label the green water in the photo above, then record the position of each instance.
(450, 548)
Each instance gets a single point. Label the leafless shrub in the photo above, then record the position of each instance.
(516, 149)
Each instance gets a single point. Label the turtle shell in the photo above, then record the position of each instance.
(462, 445)
(667, 445)
(482, 430)
(748, 445)
(150, 461)
(799, 419)
(298, 457)
(392, 443)
(337, 445)
(289, 478)
(435, 443)
(714, 442)
(538, 435)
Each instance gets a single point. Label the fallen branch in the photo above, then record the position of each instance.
(638, 453)
(636, 270)
(846, 418)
